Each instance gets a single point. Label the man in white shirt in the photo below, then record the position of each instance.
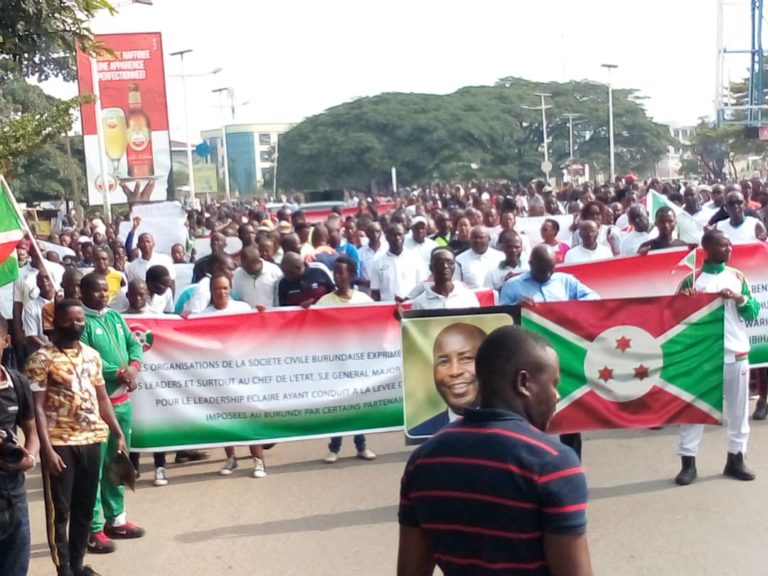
(148, 257)
(397, 272)
(638, 220)
(369, 253)
(740, 228)
(589, 250)
(255, 282)
(445, 293)
(514, 263)
(32, 317)
(474, 264)
(418, 241)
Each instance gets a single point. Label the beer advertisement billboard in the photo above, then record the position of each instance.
(137, 151)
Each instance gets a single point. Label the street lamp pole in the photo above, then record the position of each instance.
(190, 165)
(610, 67)
(570, 117)
(221, 92)
(543, 109)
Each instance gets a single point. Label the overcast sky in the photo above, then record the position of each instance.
(294, 58)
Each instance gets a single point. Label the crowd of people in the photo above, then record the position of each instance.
(432, 247)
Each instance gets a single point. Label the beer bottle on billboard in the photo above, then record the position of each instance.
(139, 151)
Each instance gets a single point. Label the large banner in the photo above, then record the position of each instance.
(267, 377)
(661, 273)
(137, 149)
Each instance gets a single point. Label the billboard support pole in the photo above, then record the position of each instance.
(100, 140)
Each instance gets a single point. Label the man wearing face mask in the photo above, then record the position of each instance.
(73, 416)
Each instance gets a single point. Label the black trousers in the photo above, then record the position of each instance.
(572, 441)
(69, 501)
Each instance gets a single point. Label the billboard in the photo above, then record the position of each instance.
(137, 150)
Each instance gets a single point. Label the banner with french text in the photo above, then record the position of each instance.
(267, 377)
(661, 273)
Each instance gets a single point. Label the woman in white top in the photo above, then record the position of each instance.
(222, 304)
(344, 270)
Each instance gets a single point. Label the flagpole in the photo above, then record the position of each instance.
(24, 225)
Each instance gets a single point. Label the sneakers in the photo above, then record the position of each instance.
(161, 479)
(366, 454)
(259, 469)
(190, 456)
(99, 543)
(126, 531)
(229, 466)
(331, 457)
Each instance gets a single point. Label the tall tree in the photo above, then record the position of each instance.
(481, 131)
(38, 39)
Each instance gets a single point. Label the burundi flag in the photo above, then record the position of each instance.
(11, 233)
(635, 363)
(688, 229)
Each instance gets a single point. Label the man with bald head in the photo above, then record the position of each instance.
(740, 228)
(543, 284)
(473, 265)
(453, 362)
(301, 285)
(590, 250)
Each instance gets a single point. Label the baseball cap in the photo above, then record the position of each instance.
(418, 220)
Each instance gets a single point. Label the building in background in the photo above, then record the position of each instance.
(251, 150)
(670, 167)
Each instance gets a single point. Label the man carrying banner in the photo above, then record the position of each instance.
(717, 278)
(109, 335)
(498, 454)
(444, 293)
(543, 284)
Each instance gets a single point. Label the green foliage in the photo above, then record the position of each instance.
(37, 37)
(481, 131)
(32, 148)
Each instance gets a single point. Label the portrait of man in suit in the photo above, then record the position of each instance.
(453, 362)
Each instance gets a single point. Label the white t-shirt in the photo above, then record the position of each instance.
(397, 275)
(331, 300)
(258, 291)
(460, 297)
(368, 255)
(161, 303)
(233, 307)
(137, 270)
(580, 254)
(498, 275)
(744, 233)
(25, 286)
(473, 268)
(32, 317)
(424, 249)
(631, 242)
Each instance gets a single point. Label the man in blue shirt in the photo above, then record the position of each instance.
(543, 284)
(492, 493)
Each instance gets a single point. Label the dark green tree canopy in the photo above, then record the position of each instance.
(479, 131)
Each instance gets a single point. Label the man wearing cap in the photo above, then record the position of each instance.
(418, 241)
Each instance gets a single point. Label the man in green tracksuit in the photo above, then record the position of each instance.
(107, 332)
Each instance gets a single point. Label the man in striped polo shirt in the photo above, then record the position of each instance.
(492, 493)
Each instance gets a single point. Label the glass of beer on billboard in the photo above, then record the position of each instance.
(115, 136)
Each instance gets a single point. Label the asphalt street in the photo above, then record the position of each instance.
(310, 518)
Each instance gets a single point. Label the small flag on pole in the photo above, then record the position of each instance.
(11, 232)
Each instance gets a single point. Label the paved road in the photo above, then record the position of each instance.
(310, 518)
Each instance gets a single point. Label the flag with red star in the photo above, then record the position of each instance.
(635, 363)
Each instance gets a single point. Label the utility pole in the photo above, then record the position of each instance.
(611, 149)
(546, 166)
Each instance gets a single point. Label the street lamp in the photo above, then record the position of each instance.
(610, 67)
(190, 165)
(220, 92)
(546, 166)
(570, 117)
